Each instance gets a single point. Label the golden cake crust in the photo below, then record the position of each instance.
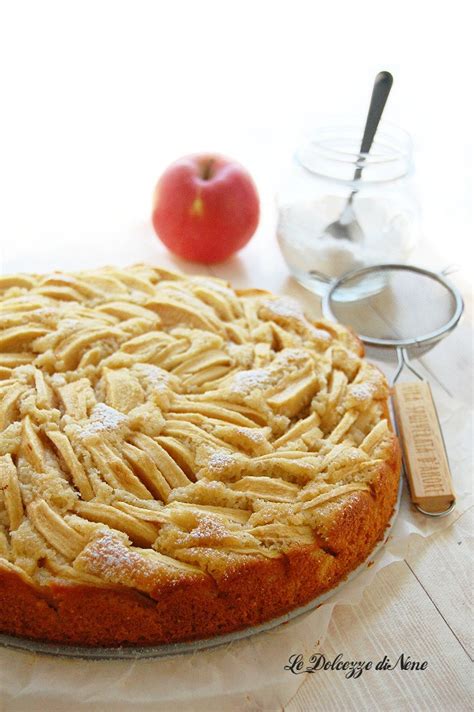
(185, 461)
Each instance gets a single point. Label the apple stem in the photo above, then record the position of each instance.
(207, 169)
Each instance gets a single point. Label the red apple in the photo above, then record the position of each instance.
(205, 208)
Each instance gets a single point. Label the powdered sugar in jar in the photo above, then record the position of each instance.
(314, 194)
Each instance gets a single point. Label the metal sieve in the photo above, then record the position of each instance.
(408, 309)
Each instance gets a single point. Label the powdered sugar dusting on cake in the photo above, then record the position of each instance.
(290, 309)
(254, 434)
(285, 307)
(291, 357)
(107, 553)
(362, 391)
(156, 377)
(220, 460)
(110, 559)
(103, 418)
(246, 381)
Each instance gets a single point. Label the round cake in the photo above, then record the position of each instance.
(178, 459)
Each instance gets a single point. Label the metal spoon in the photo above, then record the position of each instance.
(347, 227)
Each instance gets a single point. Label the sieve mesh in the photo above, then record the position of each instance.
(403, 305)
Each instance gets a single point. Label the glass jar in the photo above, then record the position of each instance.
(329, 182)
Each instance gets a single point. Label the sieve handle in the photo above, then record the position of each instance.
(424, 451)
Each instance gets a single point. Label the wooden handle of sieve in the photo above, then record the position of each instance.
(426, 461)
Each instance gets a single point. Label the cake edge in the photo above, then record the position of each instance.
(246, 596)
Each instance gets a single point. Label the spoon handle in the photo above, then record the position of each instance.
(382, 85)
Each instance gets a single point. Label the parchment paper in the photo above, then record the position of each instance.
(245, 675)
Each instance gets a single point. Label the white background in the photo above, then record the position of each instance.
(96, 98)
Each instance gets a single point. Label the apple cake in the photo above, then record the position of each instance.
(179, 459)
